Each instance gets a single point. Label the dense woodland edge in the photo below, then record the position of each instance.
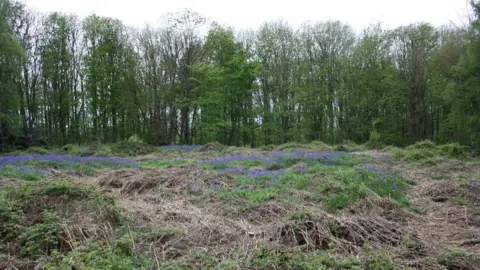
(64, 80)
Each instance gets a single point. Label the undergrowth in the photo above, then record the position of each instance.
(35, 216)
(66, 225)
(428, 153)
(336, 186)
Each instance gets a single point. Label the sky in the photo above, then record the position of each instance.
(248, 14)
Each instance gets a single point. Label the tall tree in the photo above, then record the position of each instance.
(226, 86)
(10, 57)
(413, 46)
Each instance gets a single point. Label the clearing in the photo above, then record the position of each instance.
(213, 207)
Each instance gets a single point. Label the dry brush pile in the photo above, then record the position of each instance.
(185, 217)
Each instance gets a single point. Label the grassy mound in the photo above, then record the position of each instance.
(428, 153)
(72, 224)
(41, 217)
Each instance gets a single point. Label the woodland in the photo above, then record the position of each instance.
(189, 80)
(193, 145)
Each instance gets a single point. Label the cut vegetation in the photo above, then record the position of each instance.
(298, 208)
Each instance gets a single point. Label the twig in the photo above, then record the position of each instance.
(131, 236)
(156, 258)
(472, 242)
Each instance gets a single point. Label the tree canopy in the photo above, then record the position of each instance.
(188, 80)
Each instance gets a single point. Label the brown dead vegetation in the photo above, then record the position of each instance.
(175, 179)
(208, 224)
(211, 147)
(18, 265)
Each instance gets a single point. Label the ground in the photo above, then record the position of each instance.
(213, 207)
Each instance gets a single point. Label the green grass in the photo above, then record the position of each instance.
(164, 163)
(428, 153)
(272, 259)
(31, 169)
(96, 257)
(458, 259)
(439, 177)
(28, 173)
(336, 186)
(35, 217)
(339, 187)
(38, 150)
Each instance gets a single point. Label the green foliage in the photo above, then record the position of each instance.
(269, 147)
(349, 146)
(348, 185)
(323, 146)
(379, 260)
(96, 257)
(375, 137)
(41, 238)
(38, 150)
(289, 146)
(70, 149)
(453, 150)
(423, 145)
(29, 173)
(135, 139)
(458, 259)
(100, 84)
(428, 153)
(130, 149)
(338, 187)
(56, 202)
(163, 163)
(418, 155)
(273, 259)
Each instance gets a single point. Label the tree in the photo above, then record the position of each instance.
(275, 51)
(326, 51)
(413, 46)
(465, 114)
(10, 55)
(374, 95)
(226, 84)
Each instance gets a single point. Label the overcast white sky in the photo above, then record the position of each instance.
(252, 13)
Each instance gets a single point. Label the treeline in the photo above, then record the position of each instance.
(186, 81)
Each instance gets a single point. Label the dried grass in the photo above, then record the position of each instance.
(206, 224)
(174, 179)
(19, 265)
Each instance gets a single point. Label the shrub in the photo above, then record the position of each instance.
(379, 260)
(70, 149)
(453, 150)
(319, 145)
(128, 148)
(267, 258)
(458, 259)
(375, 140)
(426, 144)
(290, 145)
(418, 154)
(38, 150)
(42, 237)
(135, 139)
(349, 146)
(31, 215)
(269, 147)
(95, 257)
